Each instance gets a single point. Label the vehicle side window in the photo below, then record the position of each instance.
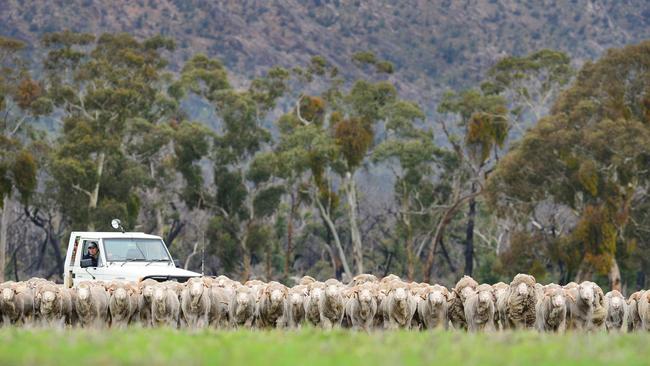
(85, 252)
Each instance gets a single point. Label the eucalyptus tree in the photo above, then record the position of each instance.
(107, 88)
(590, 155)
(484, 124)
(20, 100)
(245, 195)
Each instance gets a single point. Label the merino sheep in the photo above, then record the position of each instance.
(91, 304)
(551, 309)
(398, 307)
(312, 302)
(220, 298)
(581, 306)
(195, 303)
(295, 306)
(361, 306)
(616, 311)
(16, 303)
(122, 303)
(165, 305)
(145, 291)
(271, 305)
(242, 307)
(520, 302)
(633, 319)
(479, 309)
(331, 306)
(463, 289)
(432, 307)
(600, 309)
(500, 290)
(55, 307)
(643, 307)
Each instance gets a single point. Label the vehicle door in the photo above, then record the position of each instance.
(88, 273)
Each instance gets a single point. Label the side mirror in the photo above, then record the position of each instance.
(86, 263)
(177, 263)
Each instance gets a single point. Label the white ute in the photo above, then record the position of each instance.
(123, 256)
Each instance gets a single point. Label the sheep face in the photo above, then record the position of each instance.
(331, 291)
(616, 303)
(522, 289)
(120, 295)
(400, 297)
(296, 299)
(8, 294)
(47, 301)
(276, 298)
(147, 292)
(558, 300)
(586, 292)
(466, 292)
(83, 293)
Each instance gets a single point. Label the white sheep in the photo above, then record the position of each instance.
(242, 307)
(16, 303)
(295, 306)
(331, 306)
(616, 311)
(122, 303)
(479, 309)
(361, 305)
(55, 305)
(91, 304)
(432, 307)
(195, 303)
(520, 302)
(271, 306)
(165, 305)
(551, 309)
(398, 307)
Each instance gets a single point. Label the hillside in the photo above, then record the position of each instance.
(434, 45)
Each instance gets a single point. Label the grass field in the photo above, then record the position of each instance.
(315, 347)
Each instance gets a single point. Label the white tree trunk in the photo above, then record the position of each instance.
(94, 195)
(4, 222)
(335, 234)
(615, 276)
(357, 248)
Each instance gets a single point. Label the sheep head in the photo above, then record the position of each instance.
(8, 294)
(523, 285)
(586, 292)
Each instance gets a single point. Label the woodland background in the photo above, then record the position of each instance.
(330, 138)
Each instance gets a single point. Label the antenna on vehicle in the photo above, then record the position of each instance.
(117, 225)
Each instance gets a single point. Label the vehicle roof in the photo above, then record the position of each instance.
(113, 234)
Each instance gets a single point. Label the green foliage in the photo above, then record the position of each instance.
(267, 200)
(591, 155)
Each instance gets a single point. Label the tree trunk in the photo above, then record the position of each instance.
(428, 268)
(614, 276)
(4, 222)
(267, 262)
(246, 274)
(357, 248)
(289, 253)
(335, 235)
(94, 195)
(469, 237)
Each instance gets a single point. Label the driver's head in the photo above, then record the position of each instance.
(92, 249)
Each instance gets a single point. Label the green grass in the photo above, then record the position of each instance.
(315, 347)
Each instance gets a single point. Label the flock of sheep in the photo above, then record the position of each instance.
(366, 303)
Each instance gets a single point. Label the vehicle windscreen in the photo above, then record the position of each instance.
(120, 250)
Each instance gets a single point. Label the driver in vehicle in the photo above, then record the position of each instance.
(93, 254)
